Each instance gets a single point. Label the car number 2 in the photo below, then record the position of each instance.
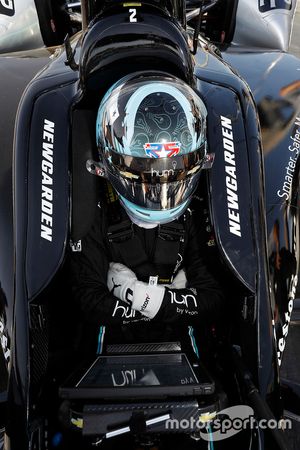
(132, 16)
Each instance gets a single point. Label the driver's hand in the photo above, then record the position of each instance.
(120, 281)
(123, 283)
(147, 299)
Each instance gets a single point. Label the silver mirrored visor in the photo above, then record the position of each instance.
(156, 183)
(156, 170)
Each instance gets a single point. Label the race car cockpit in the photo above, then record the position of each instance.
(134, 390)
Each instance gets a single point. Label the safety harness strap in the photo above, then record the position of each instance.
(126, 246)
(169, 250)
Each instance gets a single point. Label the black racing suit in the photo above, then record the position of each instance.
(184, 312)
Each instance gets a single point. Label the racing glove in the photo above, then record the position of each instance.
(120, 281)
(147, 299)
(123, 283)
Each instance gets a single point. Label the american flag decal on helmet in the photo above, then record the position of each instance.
(162, 149)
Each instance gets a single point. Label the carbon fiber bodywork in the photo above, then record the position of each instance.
(257, 238)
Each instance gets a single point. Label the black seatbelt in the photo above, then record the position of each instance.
(126, 247)
(169, 250)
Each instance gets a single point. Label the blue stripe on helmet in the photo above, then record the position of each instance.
(151, 216)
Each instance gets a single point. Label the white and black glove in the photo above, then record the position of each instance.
(147, 299)
(120, 281)
(123, 283)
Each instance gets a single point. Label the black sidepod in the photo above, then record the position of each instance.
(274, 80)
(12, 87)
(41, 174)
(246, 253)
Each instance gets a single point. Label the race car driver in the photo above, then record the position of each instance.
(141, 275)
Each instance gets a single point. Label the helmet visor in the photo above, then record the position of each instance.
(155, 183)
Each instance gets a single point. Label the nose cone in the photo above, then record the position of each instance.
(269, 30)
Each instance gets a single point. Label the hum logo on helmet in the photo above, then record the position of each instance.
(162, 173)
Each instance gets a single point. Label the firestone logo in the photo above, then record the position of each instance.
(145, 304)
